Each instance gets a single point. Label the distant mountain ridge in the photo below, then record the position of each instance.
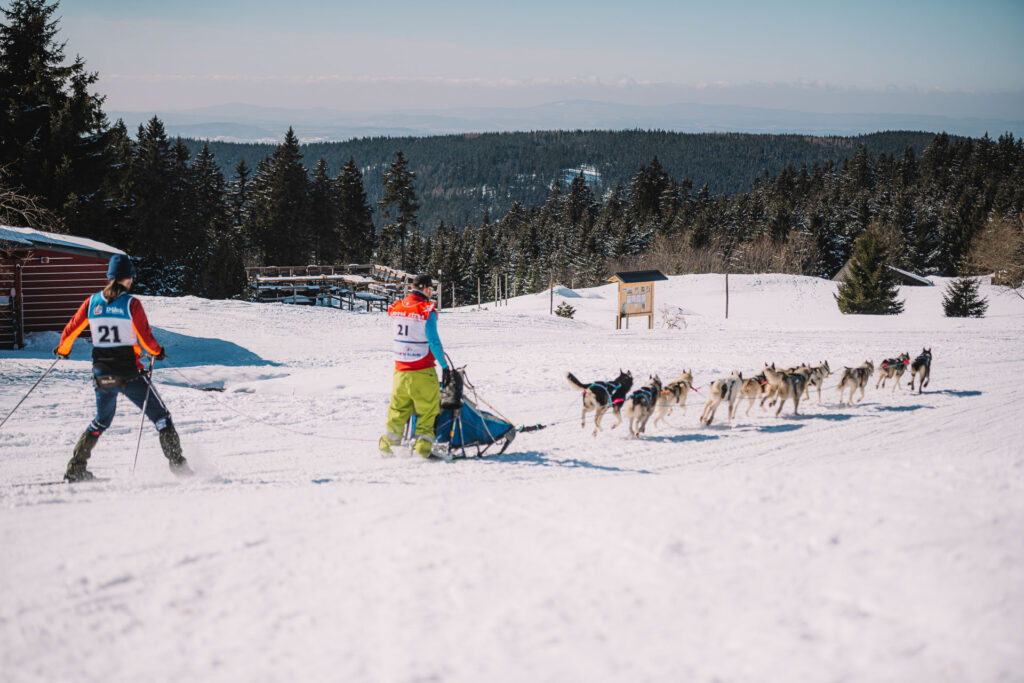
(249, 123)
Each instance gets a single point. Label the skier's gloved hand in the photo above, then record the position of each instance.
(446, 376)
(58, 354)
(161, 355)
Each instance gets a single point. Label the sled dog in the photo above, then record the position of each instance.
(892, 368)
(639, 406)
(600, 396)
(771, 391)
(753, 389)
(922, 365)
(856, 378)
(818, 375)
(674, 395)
(787, 385)
(727, 389)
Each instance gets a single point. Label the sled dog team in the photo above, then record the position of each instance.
(772, 386)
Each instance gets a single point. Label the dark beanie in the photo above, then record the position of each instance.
(120, 268)
(423, 280)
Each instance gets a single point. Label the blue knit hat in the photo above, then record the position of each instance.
(120, 268)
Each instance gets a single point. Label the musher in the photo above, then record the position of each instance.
(415, 388)
(119, 330)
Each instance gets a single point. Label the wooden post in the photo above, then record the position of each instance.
(478, 292)
(506, 289)
(551, 288)
(18, 309)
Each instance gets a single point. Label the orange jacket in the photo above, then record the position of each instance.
(414, 324)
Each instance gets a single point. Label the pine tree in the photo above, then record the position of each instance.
(962, 300)
(216, 269)
(355, 217)
(398, 206)
(53, 133)
(324, 226)
(239, 194)
(153, 213)
(870, 286)
(281, 229)
(116, 227)
(646, 190)
(256, 222)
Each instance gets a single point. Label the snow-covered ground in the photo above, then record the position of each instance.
(879, 542)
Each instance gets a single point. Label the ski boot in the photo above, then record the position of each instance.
(386, 444)
(423, 446)
(80, 458)
(171, 445)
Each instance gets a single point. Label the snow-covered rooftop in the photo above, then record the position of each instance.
(27, 238)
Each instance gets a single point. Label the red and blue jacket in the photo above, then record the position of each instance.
(119, 330)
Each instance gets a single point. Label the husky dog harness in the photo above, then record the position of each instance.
(645, 394)
(604, 386)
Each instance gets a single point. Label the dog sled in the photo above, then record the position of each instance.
(463, 429)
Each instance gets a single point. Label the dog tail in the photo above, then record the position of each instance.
(575, 382)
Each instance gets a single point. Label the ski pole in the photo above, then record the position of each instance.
(30, 391)
(145, 402)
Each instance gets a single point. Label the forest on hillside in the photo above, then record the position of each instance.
(458, 177)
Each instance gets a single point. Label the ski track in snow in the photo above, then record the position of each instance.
(882, 541)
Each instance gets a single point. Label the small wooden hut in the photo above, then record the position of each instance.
(44, 277)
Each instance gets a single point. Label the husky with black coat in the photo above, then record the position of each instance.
(922, 365)
(639, 406)
(600, 396)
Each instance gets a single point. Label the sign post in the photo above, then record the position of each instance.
(636, 295)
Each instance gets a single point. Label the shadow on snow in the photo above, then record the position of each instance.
(681, 438)
(187, 351)
(902, 409)
(540, 459)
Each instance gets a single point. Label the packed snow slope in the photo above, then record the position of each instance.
(878, 542)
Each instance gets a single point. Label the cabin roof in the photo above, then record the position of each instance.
(18, 239)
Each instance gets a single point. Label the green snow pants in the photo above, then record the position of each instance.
(414, 391)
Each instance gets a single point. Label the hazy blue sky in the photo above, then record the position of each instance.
(950, 58)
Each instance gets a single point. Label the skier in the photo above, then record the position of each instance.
(119, 330)
(415, 388)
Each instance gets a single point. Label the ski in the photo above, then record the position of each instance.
(62, 481)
